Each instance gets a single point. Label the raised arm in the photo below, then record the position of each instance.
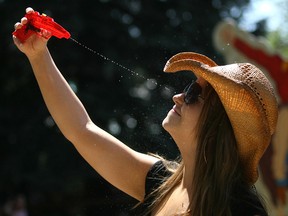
(123, 167)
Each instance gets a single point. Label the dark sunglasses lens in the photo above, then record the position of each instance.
(192, 92)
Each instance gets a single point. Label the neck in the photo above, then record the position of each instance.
(188, 154)
(188, 172)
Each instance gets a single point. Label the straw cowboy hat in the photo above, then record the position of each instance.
(247, 97)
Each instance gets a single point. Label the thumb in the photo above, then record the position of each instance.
(16, 41)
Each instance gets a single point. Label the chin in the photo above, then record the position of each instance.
(167, 125)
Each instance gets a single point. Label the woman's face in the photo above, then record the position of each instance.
(182, 119)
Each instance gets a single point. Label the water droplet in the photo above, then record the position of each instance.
(132, 72)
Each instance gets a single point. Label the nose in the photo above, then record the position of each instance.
(178, 98)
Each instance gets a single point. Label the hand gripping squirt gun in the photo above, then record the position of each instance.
(36, 23)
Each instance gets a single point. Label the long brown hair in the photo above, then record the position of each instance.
(218, 178)
(217, 169)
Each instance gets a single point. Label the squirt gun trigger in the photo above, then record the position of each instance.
(36, 23)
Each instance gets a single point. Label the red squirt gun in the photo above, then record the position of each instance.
(36, 23)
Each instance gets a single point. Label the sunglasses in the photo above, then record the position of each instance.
(192, 92)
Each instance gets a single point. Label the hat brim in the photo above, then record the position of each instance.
(245, 111)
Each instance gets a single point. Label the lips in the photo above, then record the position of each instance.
(175, 110)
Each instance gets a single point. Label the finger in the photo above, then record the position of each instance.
(18, 25)
(16, 41)
(29, 10)
(24, 21)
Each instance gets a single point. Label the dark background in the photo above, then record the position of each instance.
(36, 161)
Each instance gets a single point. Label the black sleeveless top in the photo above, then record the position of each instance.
(159, 173)
(155, 177)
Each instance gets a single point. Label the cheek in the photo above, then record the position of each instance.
(189, 123)
(191, 117)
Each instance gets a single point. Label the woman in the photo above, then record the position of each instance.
(222, 124)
